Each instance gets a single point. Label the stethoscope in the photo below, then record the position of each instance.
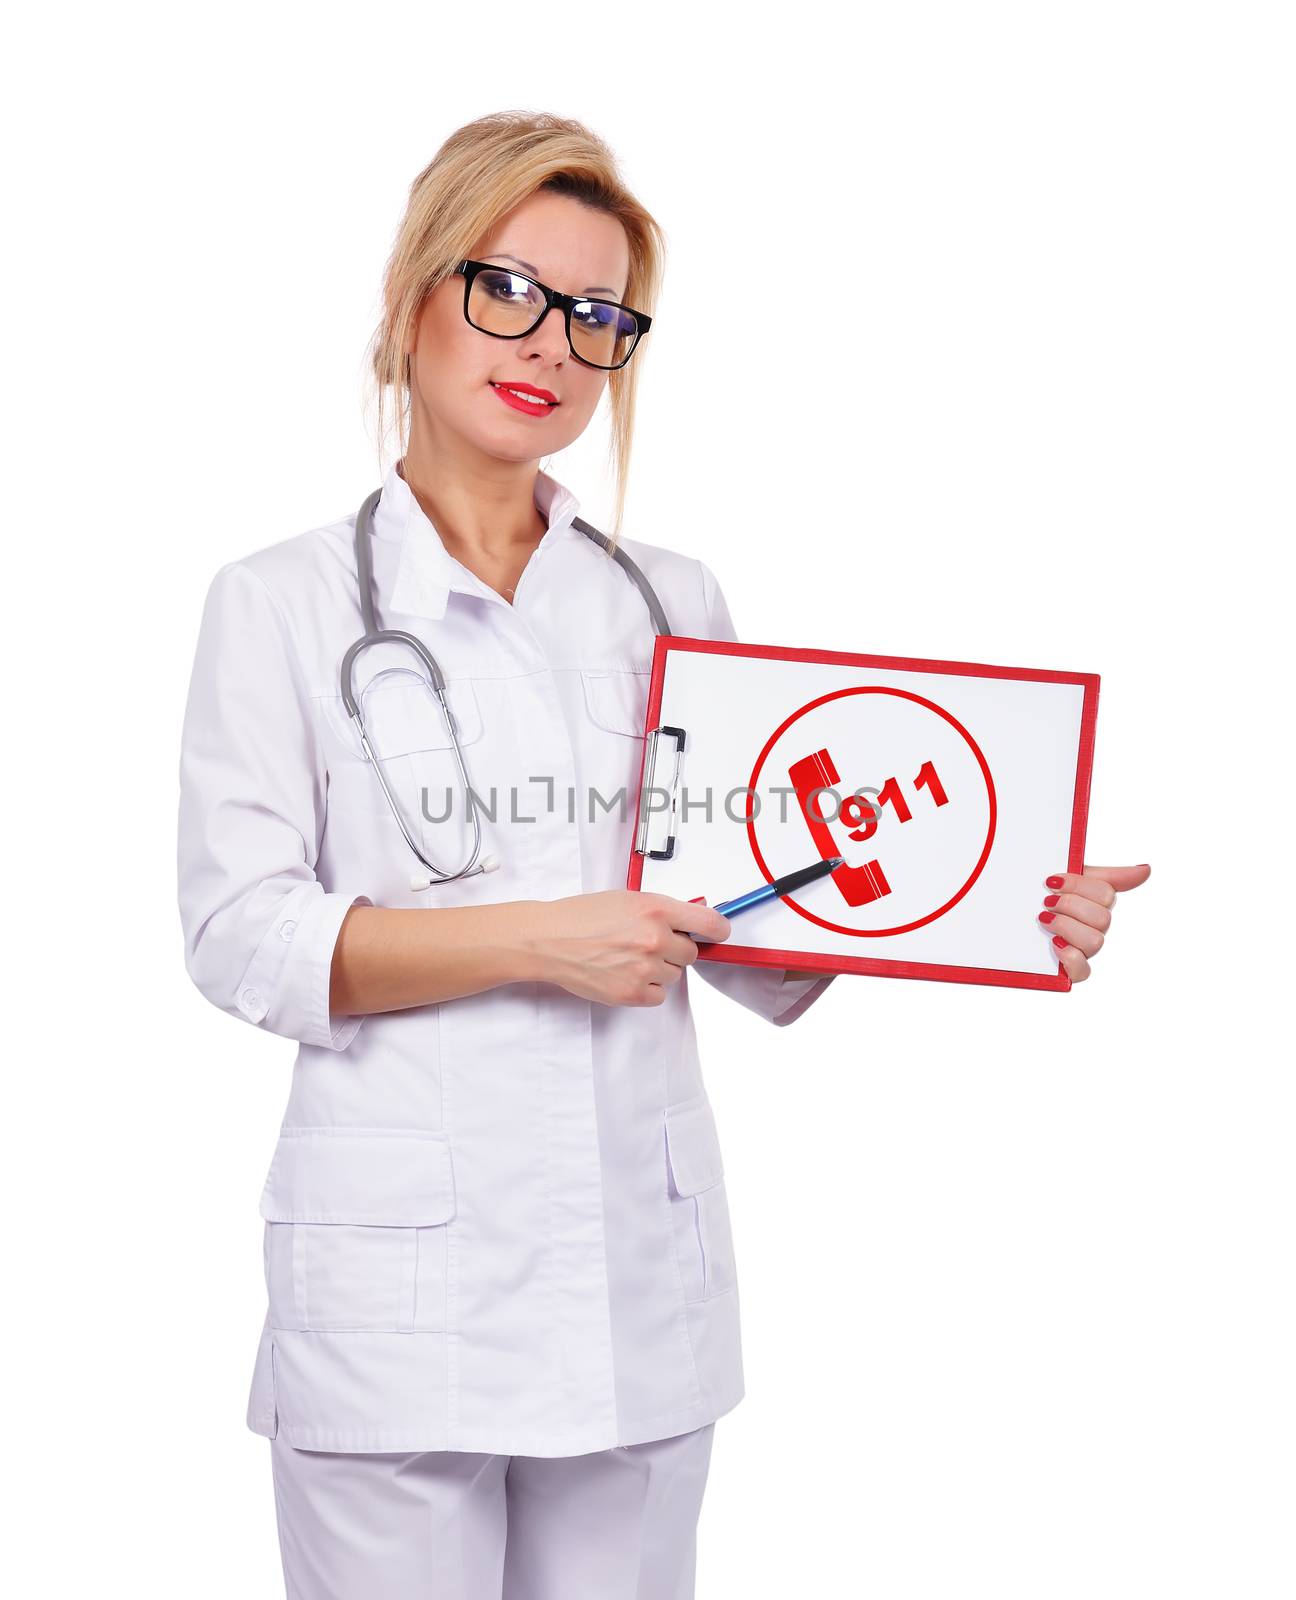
(373, 634)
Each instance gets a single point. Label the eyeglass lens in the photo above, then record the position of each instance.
(503, 303)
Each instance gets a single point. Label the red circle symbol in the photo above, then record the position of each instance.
(900, 694)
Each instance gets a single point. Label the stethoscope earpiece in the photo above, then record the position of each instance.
(424, 880)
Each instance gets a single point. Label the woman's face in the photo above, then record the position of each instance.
(562, 243)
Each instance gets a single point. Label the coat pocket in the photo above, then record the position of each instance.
(610, 744)
(355, 1229)
(617, 701)
(698, 1201)
(410, 741)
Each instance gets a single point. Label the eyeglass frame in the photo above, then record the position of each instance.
(553, 297)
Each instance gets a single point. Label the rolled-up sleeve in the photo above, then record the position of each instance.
(259, 928)
(767, 991)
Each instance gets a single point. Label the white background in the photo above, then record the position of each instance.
(1016, 1267)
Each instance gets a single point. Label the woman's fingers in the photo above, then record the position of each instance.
(1075, 905)
(1120, 878)
(680, 950)
(1077, 914)
(1085, 886)
(1074, 932)
(1075, 961)
(1099, 884)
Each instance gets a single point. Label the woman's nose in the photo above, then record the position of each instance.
(550, 333)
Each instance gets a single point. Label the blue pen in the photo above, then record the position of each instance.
(784, 885)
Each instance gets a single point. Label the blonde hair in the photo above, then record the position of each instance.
(481, 172)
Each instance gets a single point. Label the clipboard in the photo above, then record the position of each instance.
(952, 789)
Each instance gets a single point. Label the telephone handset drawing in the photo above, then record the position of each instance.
(859, 885)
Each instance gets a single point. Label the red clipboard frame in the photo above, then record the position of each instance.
(879, 966)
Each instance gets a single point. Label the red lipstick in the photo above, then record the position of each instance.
(552, 401)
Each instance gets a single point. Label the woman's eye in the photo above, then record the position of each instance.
(596, 318)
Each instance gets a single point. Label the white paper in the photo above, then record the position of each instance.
(943, 903)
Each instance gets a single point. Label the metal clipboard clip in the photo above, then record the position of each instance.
(664, 818)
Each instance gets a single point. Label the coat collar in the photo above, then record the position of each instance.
(426, 572)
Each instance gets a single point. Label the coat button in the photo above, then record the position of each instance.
(251, 999)
(286, 929)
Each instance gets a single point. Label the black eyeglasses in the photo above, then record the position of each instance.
(509, 305)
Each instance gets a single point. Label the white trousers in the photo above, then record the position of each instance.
(616, 1524)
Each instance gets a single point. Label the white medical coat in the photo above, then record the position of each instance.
(495, 1223)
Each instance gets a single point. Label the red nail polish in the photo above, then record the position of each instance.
(1054, 882)
(1051, 899)
(1059, 941)
(1046, 916)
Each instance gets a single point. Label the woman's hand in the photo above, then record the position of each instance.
(1077, 911)
(623, 947)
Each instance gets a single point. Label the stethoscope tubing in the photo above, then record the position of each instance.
(373, 634)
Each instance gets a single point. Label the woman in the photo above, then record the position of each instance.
(503, 1315)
